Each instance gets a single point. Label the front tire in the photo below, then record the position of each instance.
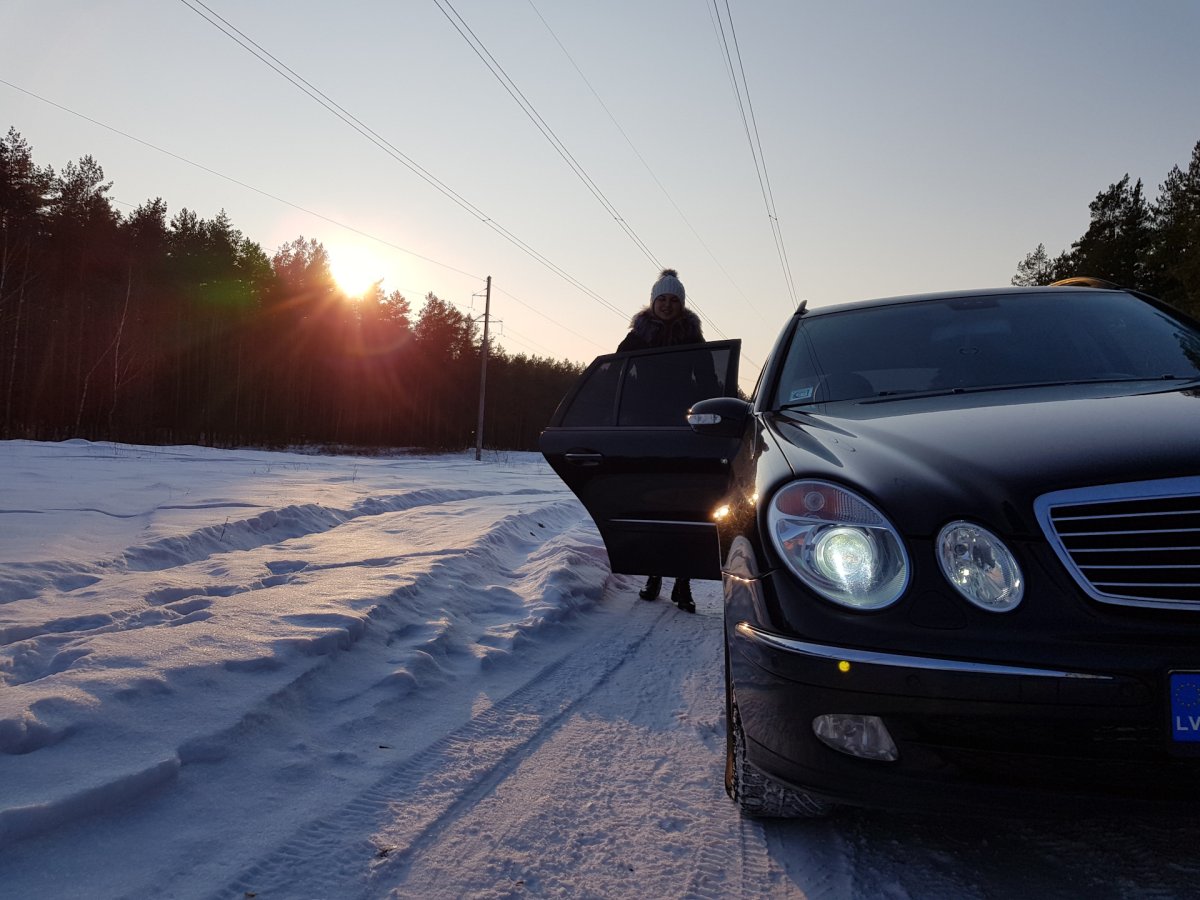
(755, 794)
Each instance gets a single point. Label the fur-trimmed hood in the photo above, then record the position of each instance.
(647, 330)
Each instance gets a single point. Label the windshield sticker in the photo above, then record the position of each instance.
(801, 394)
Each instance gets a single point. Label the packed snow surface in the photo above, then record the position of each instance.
(230, 674)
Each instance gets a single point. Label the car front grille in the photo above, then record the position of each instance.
(1132, 544)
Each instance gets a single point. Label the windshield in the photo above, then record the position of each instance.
(982, 342)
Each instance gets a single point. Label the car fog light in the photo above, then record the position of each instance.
(863, 736)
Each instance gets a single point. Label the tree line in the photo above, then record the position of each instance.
(1149, 245)
(147, 329)
(142, 328)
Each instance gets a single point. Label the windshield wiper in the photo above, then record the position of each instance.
(886, 396)
(796, 404)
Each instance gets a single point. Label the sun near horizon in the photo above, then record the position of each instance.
(355, 269)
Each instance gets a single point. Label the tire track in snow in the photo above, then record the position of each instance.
(171, 605)
(329, 680)
(328, 857)
(49, 647)
(23, 581)
(728, 856)
(624, 799)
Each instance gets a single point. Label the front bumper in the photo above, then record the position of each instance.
(972, 736)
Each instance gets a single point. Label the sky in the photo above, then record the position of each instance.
(904, 146)
(235, 673)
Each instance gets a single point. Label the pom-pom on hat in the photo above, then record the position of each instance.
(668, 283)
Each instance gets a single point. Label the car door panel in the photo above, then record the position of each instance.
(621, 442)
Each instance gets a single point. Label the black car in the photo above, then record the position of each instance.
(959, 536)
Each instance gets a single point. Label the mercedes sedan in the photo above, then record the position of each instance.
(959, 538)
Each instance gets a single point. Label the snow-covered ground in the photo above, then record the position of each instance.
(236, 674)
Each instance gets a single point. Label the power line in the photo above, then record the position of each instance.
(652, 175)
(231, 180)
(332, 106)
(741, 89)
(528, 108)
(540, 123)
(278, 199)
(298, 81)
(559, 324)
(256, 50)
(642, 160)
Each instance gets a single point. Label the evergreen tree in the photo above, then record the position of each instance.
(1150, 247)
(179, 329)
(446, 365)
(86, 296)
(1033, 269)
(302, 267)
(1116, 245)
(1175, 257)
(24, 189)
(443, 331)
(24, 186)
(142, 352)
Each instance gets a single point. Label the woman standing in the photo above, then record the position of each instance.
(665, 323)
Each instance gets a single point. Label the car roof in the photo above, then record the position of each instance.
(951, 295)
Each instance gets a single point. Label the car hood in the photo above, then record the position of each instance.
(988, 456)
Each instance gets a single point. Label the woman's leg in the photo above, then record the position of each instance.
(681, 595)
(653, 585)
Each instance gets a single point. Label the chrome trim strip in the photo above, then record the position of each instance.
(1130, 567)
(1146, 584)
(1129, 490)
(1110, 533)
(1137, 515)
(875, 658)
(1132, 550)
(1043, 507)
(671, 522)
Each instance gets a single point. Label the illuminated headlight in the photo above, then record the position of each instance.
(980, 567)
(838, 544)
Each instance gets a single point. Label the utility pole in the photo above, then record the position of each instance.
(483, 358)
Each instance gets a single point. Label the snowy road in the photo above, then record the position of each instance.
(236, 674)
(600, 776)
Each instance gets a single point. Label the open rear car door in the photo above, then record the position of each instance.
(621, 441)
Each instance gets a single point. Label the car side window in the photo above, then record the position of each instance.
(651, 389)
(596, 402)
(659, 389)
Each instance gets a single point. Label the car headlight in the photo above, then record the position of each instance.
(980, 567)
(838, 544)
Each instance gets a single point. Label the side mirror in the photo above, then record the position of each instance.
(719, 417)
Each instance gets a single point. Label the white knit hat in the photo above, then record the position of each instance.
(668, 283)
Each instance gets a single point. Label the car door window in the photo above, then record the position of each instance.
(595, 403)
(658, 390)
(650, 388)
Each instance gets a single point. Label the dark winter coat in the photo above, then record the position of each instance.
(646, 331)
(674, 382)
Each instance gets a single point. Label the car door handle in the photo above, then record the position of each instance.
(584, 459)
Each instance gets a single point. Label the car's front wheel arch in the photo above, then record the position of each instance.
(755, 793)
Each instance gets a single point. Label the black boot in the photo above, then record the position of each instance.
(653, 585)
(681, 595)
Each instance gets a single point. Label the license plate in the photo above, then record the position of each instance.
(1185, 706)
